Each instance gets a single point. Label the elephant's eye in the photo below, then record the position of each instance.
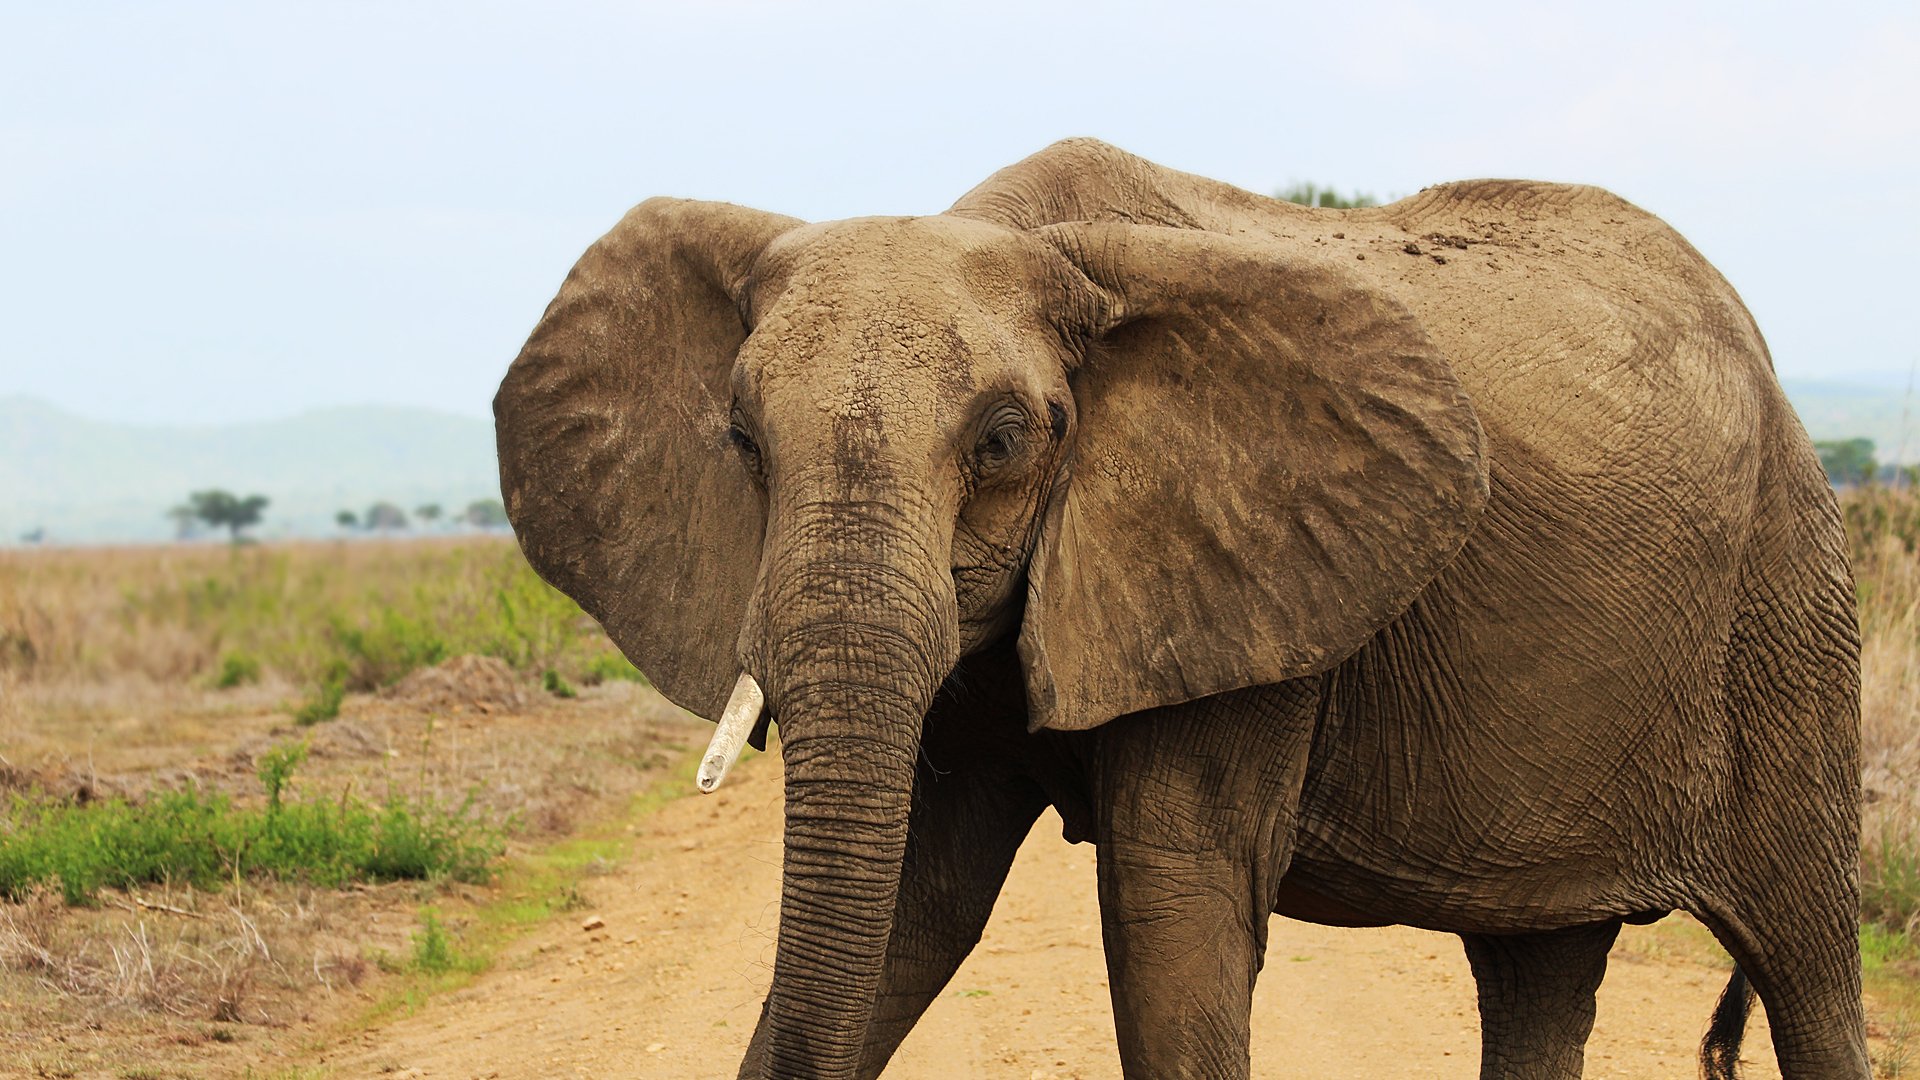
(996, 449)
(738, 436)
(1001, 441)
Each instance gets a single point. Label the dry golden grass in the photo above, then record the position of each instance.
(165, 615)
(132, 643)
(109, 657)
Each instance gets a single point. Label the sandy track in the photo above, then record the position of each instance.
(638, 999)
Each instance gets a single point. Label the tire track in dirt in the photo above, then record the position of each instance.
(672, 985)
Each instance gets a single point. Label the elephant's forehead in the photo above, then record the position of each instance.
(907, 272)
(891, 316)
(871, 358)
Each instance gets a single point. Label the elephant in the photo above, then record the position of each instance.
(1456, 563)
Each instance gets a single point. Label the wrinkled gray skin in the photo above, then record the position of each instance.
(1455, 563)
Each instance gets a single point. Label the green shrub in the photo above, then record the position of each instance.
(557, 686)
(1890, 879)
(611, 667)
(237, 669)
(276, 768)
(201, 839)
(325, 703)
(394, 643)
(1307, 193)
(434, 950)
(530, 625)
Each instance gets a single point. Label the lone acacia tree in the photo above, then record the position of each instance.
(222, 509)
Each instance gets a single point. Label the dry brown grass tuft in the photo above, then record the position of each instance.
(1883, 527)
(200, 966)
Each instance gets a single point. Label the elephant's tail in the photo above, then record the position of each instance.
(1720, 1050)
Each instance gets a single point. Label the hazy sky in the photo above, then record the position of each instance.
(240, 211)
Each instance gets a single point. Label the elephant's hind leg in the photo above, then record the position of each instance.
(1781, 889)
(1797, 940)
(1536, 999)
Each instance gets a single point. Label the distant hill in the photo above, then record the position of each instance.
(85, 481)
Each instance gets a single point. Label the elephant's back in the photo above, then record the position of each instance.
(1594, 340)
(1632, 416)
(1623, 387)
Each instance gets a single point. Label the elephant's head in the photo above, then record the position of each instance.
(838, 457)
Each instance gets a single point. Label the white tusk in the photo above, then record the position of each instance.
(730, 735)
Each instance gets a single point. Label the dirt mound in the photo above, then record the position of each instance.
(480, 683)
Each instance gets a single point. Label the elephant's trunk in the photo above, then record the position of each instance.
(854, 649)
(845, 840)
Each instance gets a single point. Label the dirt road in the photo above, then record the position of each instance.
(672, 985)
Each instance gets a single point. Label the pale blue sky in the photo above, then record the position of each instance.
(243, 210)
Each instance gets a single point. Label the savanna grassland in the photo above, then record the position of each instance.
(1883, 528)
(250, 792)
(256, 801)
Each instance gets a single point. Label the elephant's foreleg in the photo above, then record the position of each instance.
(1182, 954)
(1536, 999)
(1195, 817)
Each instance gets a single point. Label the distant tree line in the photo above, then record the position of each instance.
(1308, 193)
(217, 508)
(386, 517)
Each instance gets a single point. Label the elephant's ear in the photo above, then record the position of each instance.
(611, 427)
(1270, 461)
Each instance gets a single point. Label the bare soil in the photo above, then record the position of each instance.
(669, 983)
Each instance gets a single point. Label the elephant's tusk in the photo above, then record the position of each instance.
(730, 735)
